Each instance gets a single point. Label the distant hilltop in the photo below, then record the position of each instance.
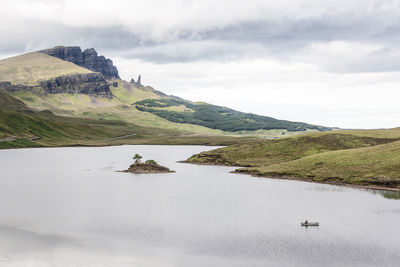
(87, 59)
(61, 69)
(67, 70)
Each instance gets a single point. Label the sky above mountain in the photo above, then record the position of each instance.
(333, 63)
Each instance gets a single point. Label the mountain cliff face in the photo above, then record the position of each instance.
(87, 59)
(89, 84)
(83, 83)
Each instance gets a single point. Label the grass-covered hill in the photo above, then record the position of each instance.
(28, 69)
(50, 83)
(216, 117)
(376, 165)
(120, 107)
(21, 126)
(270, 152)
(370, 157)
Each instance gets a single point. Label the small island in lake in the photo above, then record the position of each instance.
(149, 166)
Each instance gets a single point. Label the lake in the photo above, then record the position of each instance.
(70, 206)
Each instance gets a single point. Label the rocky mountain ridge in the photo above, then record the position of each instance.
(88, 83)
(87, 59)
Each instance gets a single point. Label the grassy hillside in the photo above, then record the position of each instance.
(377, 165)
(380, 133)
(18, 121)
(23, 127)
(216, 117)
(43, 112)
(123, 107)
(342, 156)
(138, 105)
(287, 149)
(120, 107)
(28, 69)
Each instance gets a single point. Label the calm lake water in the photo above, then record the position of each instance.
(69, 206)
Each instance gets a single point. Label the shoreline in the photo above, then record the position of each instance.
(337, 183)
(283, 177)
(210, 164)
(111, 145)
(280, 177)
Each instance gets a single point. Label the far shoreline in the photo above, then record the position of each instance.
(284, 177)
(113, 145)
(337, 183)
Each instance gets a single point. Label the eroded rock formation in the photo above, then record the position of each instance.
(9, 87)
(86, 59)
(137, 83)
(88, 83)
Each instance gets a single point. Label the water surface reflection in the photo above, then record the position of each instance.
(69, 206)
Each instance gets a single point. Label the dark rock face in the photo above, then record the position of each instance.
(99, 64)
(87, 59)
(9, 87)
(71, 53)
(89, 84)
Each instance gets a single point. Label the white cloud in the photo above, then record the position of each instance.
(161, 19)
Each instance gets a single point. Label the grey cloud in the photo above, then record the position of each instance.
(263, 39)
(382, 60)
(283, 39)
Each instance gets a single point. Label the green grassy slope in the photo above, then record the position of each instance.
(380, 133)
(137, 105)
(216, 117)
(23, 127)
(342, 156)
(18, 121)
(123, 107)
(377, 165)
(120, 107)
(286, 149)
(28, 69)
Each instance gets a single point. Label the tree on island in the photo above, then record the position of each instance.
(151, 161)
(137, 158)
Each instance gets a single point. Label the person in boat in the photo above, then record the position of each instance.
(306, 222)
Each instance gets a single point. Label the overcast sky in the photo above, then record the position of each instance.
(331, 62)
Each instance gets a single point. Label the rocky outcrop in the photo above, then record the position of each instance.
(87, 59)
(89, 84)
(68, 53)
(147, 168)
(9, 87)
(99, 64)
(137, 83)
(81, 83)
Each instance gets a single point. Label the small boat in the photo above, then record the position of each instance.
(306, 224)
